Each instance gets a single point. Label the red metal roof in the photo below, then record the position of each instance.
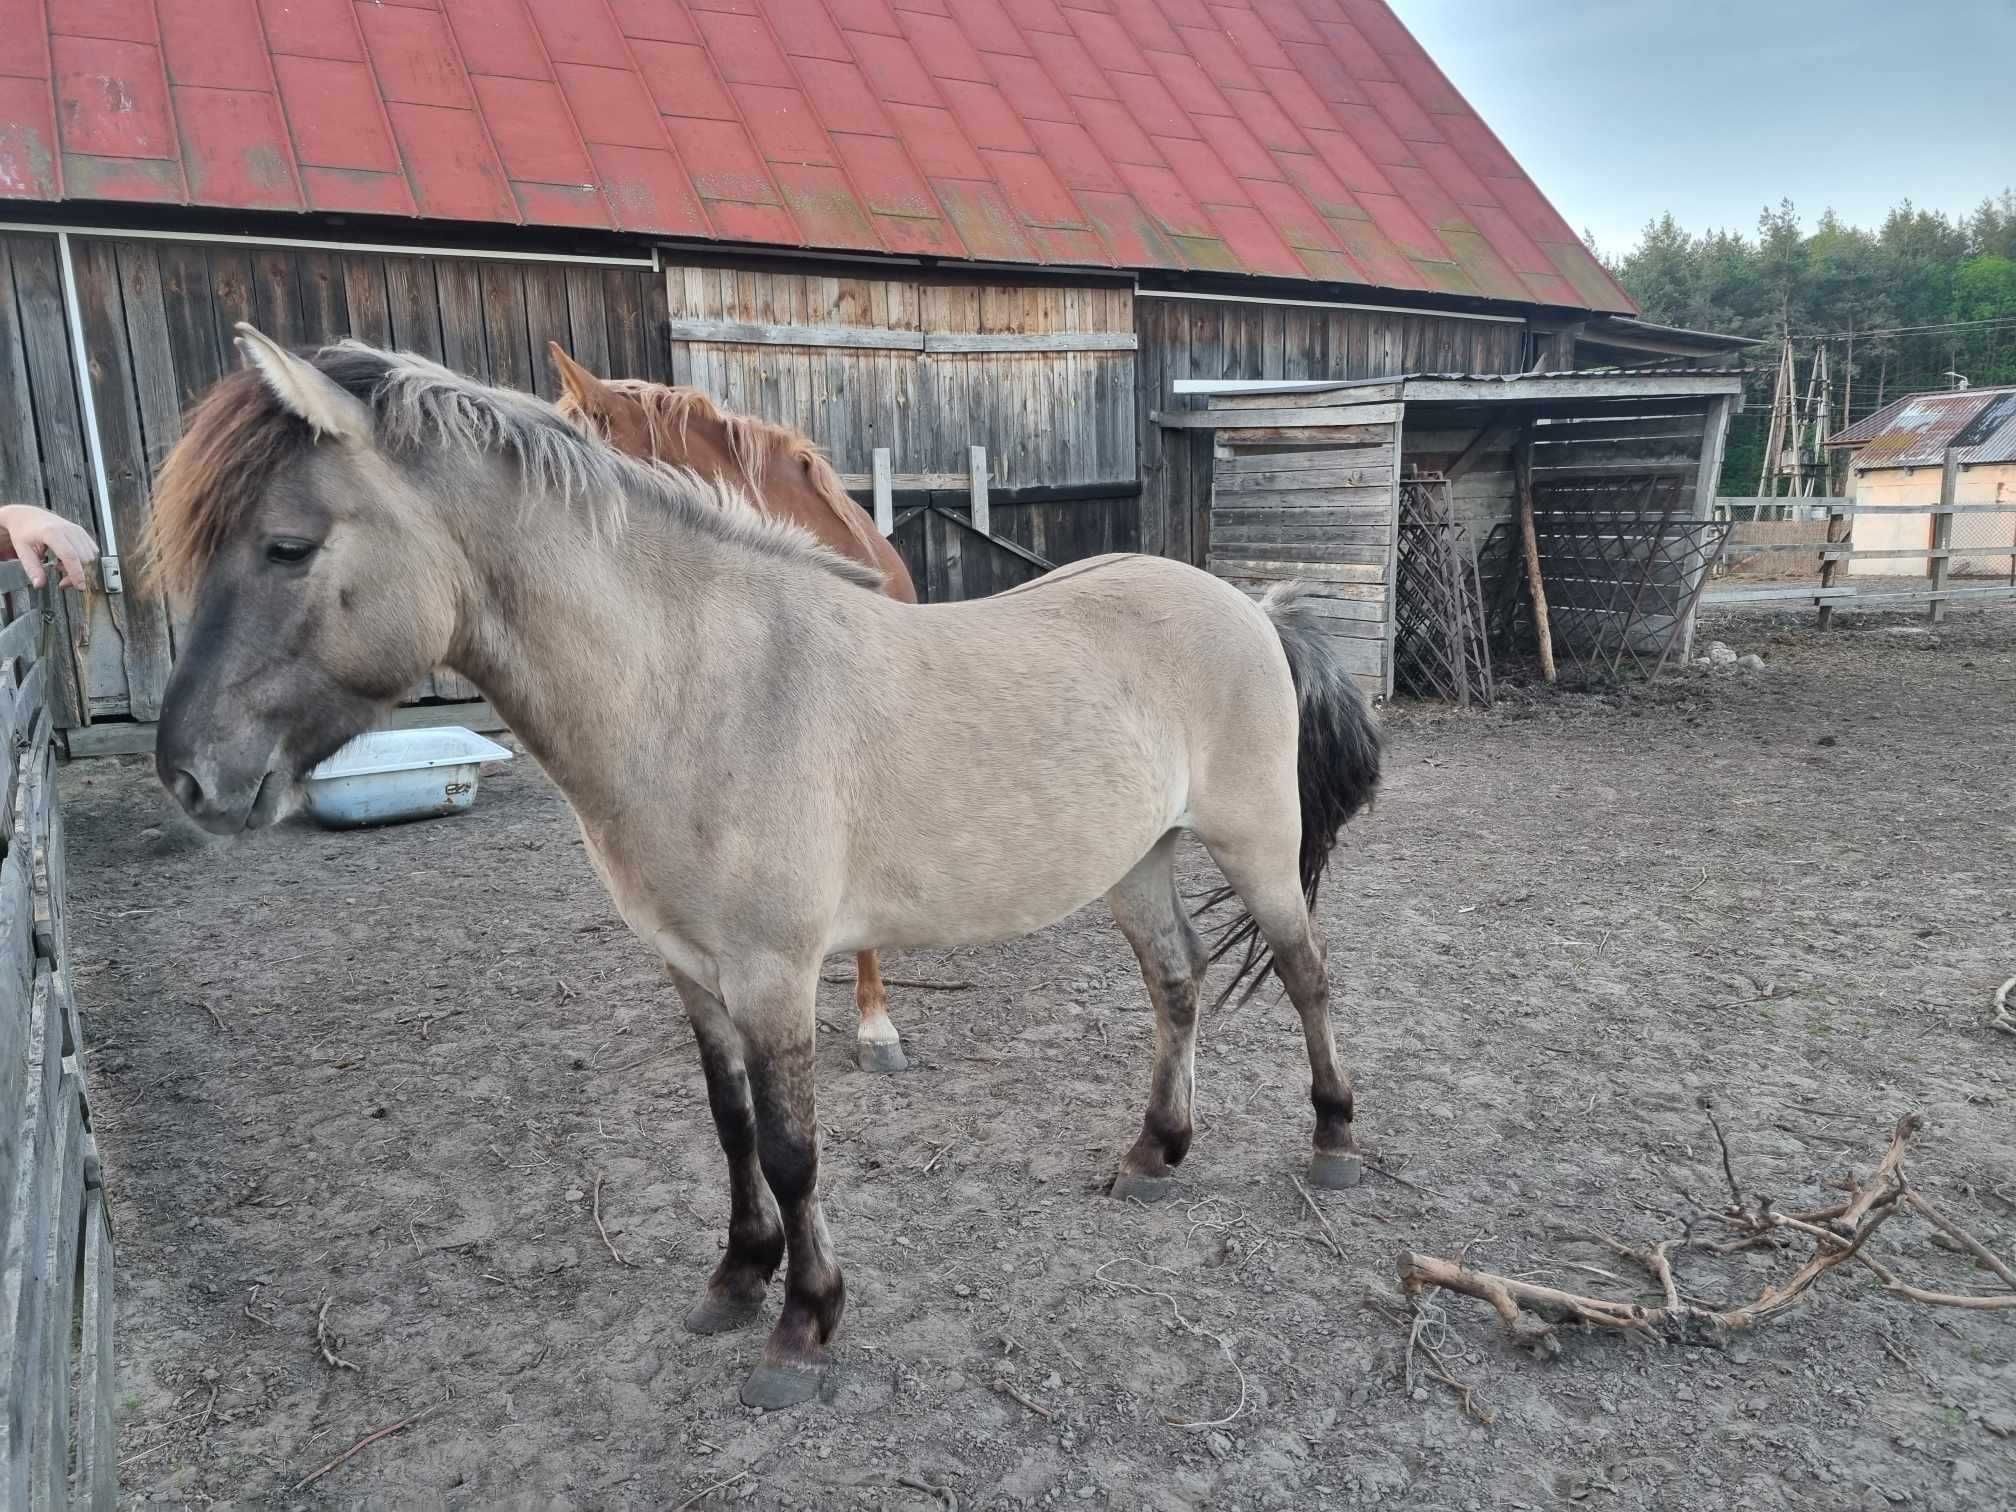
(1305, 139)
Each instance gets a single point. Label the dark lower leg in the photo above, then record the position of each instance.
(1172, 961)
(734, 1293)
(814, 1293)
(1304, 974)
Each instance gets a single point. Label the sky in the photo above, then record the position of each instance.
(1624, 109)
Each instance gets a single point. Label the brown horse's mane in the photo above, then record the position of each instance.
(753, 443)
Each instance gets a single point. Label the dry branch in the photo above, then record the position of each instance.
(323, 1346)
(2004, 1019)
(365, 1443)
(614, 1253)
(1840, 1233)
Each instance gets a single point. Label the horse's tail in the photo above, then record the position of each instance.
(1337, 768)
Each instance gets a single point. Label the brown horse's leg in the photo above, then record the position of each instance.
(787, 1143)
(1149, 913)
(734, 1294)
(880, 1047)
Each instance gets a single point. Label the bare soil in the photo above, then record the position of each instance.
(383, 1071)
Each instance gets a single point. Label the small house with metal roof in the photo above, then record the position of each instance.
(1899, 456)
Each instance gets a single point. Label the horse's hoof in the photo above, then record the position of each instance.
(713, 1315)
(882, 1055)
(1336, 1170)
(1127, 1185)
(772, 1387)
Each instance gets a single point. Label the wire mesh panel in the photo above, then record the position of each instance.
(1439, 643)
(1622, 573)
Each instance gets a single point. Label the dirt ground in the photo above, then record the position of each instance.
(375, 1077)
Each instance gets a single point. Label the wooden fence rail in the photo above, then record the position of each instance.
(57, 1446)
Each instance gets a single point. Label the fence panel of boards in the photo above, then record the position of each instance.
(1314, 502)
(157, 319)
(57, 1435)
(1041, 377)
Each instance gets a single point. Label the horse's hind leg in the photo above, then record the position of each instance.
(1264, 875)
(1150, 914)
(879, 1047)
(734, 1294)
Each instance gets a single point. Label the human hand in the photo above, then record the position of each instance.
(36, 533)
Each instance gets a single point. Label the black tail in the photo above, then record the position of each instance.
(1336, 763)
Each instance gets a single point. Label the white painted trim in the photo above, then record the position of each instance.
(387, 249)
(80, 361)
(1267, 385)
(1325, 304)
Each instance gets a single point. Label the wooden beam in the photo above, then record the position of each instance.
(1595, 386)
(749, 333)
(1487, 440)
(1265, 419)
(1942, 530)
(976, 467)
(883, 482)
(1543, 630)
(1035, 341)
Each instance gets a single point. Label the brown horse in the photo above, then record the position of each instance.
(790, 479)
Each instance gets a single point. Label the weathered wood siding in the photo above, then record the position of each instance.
(862, 362)
(1187, 338)
(1294, 500)
(158, 318)
(1041, 376)
(55, 1237)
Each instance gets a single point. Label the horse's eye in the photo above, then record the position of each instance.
(288, 552)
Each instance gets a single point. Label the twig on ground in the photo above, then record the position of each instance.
(1189, 1327)
(937, 1157)
(614, 1253)
(1007, 1389)
(946, 1492)
(215, 1017)
(2004, 1019)
(1728, 1166)
(1840, 1233)
(256, 1317)
(323, 1341)
(365, 1443)
(1328, 1233)
(706, 1490)
(845, 979)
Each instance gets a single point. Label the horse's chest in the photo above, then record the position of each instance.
(651, 909)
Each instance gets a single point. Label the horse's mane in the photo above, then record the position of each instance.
(753, 443)
(239, 435)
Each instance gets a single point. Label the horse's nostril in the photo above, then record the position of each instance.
(187, 790)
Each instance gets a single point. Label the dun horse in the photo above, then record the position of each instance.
(788, 479)
(770, 760)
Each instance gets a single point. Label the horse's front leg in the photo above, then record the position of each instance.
(734, 1294)
(880, 1047)
(775, 1014)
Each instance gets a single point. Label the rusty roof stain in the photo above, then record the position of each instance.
(1915, 431)
(1302, 139)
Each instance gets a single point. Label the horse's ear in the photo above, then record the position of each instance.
(305, 389)
(576, 382)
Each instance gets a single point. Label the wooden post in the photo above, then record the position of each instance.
(976, 472)
(1543, 630)
(1942, 530)
(885, 491)
(1838, 534)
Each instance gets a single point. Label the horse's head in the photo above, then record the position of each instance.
(617, 415)
(313, 575)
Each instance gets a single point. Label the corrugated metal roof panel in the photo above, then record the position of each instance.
(1294, 139)
(1915, 431)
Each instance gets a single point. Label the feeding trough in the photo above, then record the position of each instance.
(392, 775)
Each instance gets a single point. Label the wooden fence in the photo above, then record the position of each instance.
(1838, 549)
(57, 1446)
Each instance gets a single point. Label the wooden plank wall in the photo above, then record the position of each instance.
(158, 318)
(859, 362)
(43, 458)
(56, 1258)
(1319, 508)
(1183, 338)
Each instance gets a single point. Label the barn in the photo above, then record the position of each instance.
(909, 227)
